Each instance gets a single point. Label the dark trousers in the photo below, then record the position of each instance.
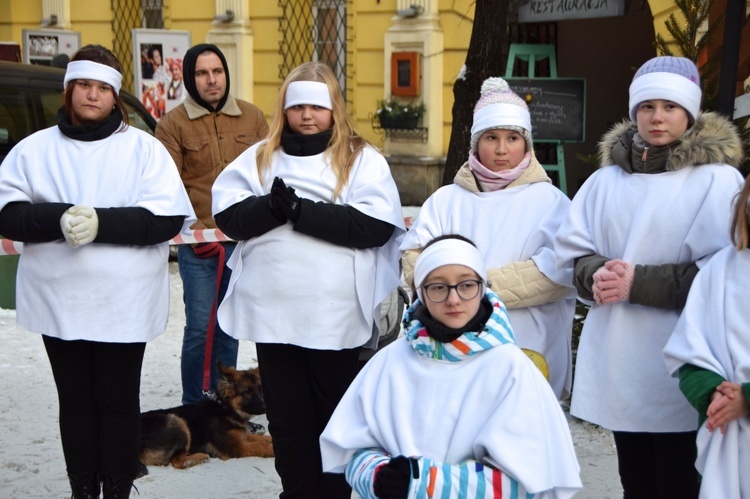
(302, 387)
(98, 387)
(657, 465)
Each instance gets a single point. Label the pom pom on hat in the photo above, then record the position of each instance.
(669, 78)
(499, 107)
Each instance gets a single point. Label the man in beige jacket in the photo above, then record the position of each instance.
(204, 134)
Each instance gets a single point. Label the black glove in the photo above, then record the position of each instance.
(392, 480)
(275, 205)
(286, 199)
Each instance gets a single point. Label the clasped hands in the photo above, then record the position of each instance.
(285, 204)
(613, 282)
(728, 403)
(79, 225)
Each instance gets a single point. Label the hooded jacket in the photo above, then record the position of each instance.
(203, 143)
(711, 140)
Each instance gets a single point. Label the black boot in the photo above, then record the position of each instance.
(84, 485)
(116, 487)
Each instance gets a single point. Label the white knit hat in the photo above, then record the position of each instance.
(669, 78)
(499, 107)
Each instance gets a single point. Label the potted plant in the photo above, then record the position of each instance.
(395, 114)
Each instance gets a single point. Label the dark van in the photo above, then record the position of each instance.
(30, 96)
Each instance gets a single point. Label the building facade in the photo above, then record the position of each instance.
(413, 50)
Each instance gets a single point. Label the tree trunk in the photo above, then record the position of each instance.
(483, 59)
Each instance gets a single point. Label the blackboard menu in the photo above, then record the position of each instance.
(557, 106)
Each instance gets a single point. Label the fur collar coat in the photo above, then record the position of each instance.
(711, 140)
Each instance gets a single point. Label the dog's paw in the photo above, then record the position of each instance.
(188, 460)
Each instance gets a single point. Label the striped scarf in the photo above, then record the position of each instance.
(496, 331)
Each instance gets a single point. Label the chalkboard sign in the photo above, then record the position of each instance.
(557, 106)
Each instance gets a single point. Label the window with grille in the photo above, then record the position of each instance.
(152, 14)
(313, 30)
(127, 15)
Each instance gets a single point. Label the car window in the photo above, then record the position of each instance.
(16, 119)
(51, 103)
(137, 120)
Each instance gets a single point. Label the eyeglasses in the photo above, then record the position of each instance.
(438, 292)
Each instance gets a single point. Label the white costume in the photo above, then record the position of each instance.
(96, 292)
(648, 219)
(712, 334)
(333, 288)
(509, 225)
(477, 398)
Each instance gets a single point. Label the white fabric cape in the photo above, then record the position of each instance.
(712, 333)
(512, 225)
(288, 287)
(97, 292)
(495, 407)
(649, 219)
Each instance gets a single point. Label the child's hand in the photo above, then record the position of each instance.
(728, 403)
(612, 282)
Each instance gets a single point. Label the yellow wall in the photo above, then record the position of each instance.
(15, 15)
(264, 22)
(189, 15)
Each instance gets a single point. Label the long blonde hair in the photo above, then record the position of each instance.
(740, 228)
(345, 143)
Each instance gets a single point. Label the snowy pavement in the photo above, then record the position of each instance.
(31, 459)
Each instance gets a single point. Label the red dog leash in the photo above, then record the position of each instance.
(209, 250)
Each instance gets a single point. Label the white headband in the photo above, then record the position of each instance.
(500, 115)
(90, 70)
(447, 252)
(313, 93)
(665, 86)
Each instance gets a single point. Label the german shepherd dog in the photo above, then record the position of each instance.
(189, 434)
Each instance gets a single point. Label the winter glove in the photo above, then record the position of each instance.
(286, 199)
(392, 480)
(79, 225)
(206, 250)
(275, 206)
(613, 282)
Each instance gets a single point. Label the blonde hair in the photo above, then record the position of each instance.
(740, 230)
(345, 143)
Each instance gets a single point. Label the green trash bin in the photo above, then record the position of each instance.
(8, 269)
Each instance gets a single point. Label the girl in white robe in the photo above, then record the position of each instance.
(319, 221)
(454, 409)
(638, 230)
(95, 203)
(709, 351)
(503, 200)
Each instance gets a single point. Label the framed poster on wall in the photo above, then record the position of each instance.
(157, 68)
(40, 46)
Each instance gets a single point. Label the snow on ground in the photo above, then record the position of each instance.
(31, 459)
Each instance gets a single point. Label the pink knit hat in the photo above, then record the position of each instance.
(669, 78)
(499, 107)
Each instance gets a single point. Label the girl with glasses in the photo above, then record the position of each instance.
(419, 419)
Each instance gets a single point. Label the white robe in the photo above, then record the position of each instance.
(288, 287)
(97, 292)
(494, 407)
(713, 334)
(507, 226)
(649, 219)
